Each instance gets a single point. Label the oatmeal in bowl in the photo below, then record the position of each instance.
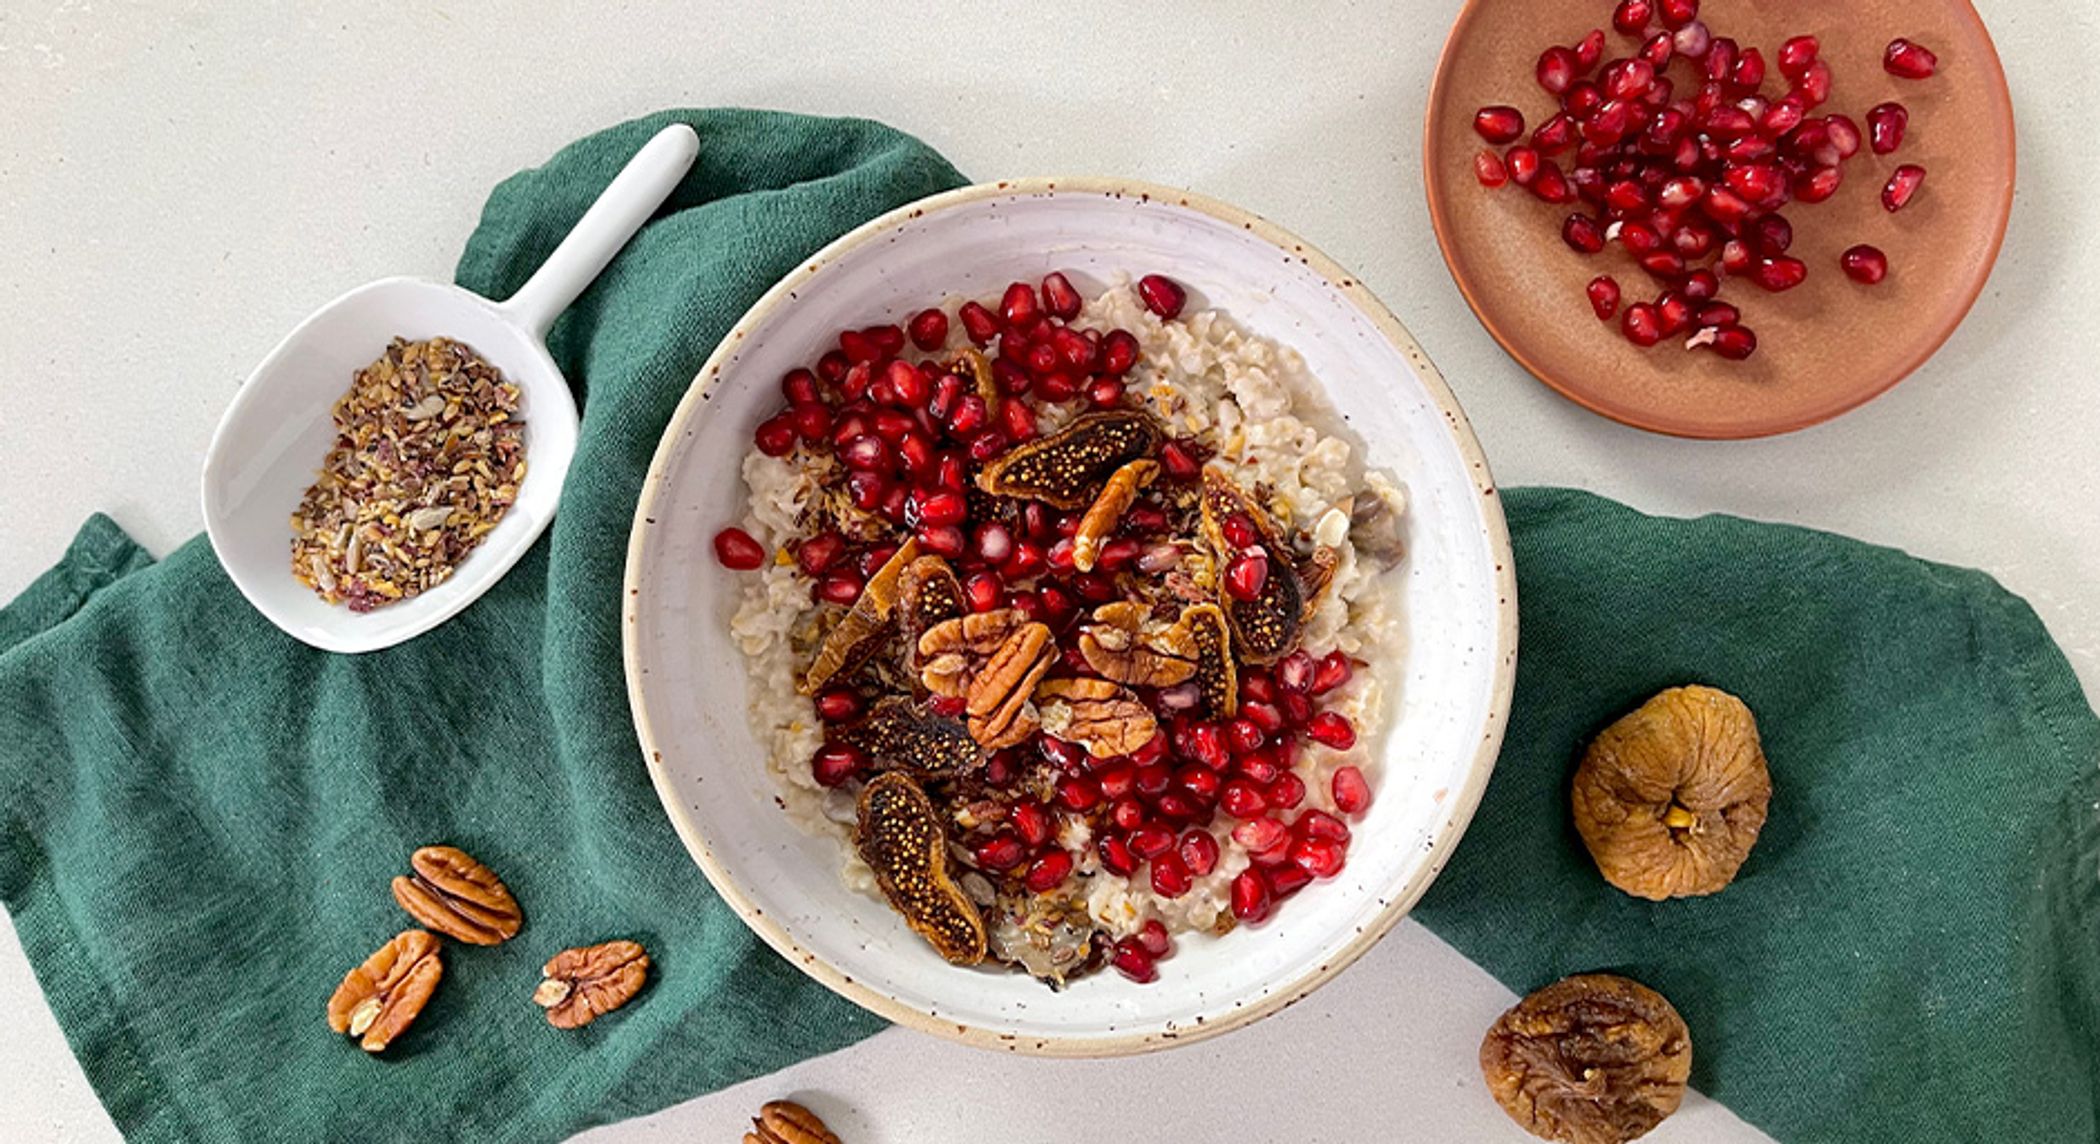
(1064, 585)
(1086, 585)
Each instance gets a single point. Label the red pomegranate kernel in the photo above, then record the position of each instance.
(1170, 876)
(1152, 937)
(1735, 342)
(839, 588)
(1332, 729)
(1673, 313)
(1556, 69)
(1771, 234)
(1864, 264)
(776, 435)
(1641, 325)
(1351, 793)
(1319, 857)
(1817, 185)
(1048, 872)
(1677, 13)
(1499, 124)
(980, 325)
(1658, 51)
(1901, 186)
(819, 552)
(1717, 314)
(1059, 297)
(1287, 879)
(1031, 822)
(1242, 799)
(1552, 137)
(1796, 54)
(1076, 793)
(1909, 60)
(838, 704)
(1603, 291)
(928, 330)
(1286, 792)
(1260, 833)
(832, 367)
(1002, 851)
(1162, 296)
(1749, 72)
(1693, 40)
(1886, 124)
(1149, 842)
(800, 387)
(1250, 897)
(1018, 305)
(1119, 351)
(737, 551)
(1115, 856)
(1333, 670)
(834, 764)
(1779, 274)
(1247, 575)
(1582, 234)
(1523, 165)
(1133, 962)
(1199, 852)
(1631, 16)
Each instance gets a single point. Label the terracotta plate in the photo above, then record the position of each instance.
(1823, 348)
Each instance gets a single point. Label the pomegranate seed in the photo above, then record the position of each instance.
(1332, 729)
(858, 346)
(1049, 872)
(941, 508)
(1103, 392)
(1556, 69)
(1693, 240)
(1901, 186)
(1796, 54)
(1631, 16)
(737, 551)
(819, 552)
(1664, 264)
(1170, 876)
(1334, 670)
(1865, 264)
(1735, 342)
(1720, 59)
(1116, 857)
(979, 324)
(1777, 120)
(1677, 13)
(1031, 822)
(1199, 852)
(1886, 124)
(928, 330)
(1693, 40)
(834, 763)
(1700, 285)
(776, 435)
(1119, 351)
(1814, 84)
(1604, 296)
(1680, 192)
(1018, 305)
(812, 422)
(1243, 799)
(1553, 136)
(1641, 325)
(1909, 60)
(1589, 50)
(1262, 713)
(1127, 813)
(1717, 314)
(1134, 963)
(838, 704)
(1673, 313)
(832, 367)
(983, 590)
(1177, 809)
(1771, 235)
(1286, 792)
(1199, 781)
(1749, 70)
(951, 706)
(1351, 793)
(1755, 182)
(1077, 793)
(1523, 163)
(1250, 897)
(1817, 185)
(1319, 857)
(1153, 780)
(1152, 938)
(1163, 296)
(839, 588)
(1001, 852)
(1552, 186)
(1059, 297)
(1639, 238)
(1260, 834)
(1582, 100)
(1657, 51)
(1626, 196)
(1149, 842)
(1723, 204)
(1243, 735)
(1610, 124)
(1259, 767)
(800, 387)
(1294, 673)
(1779, 274)
(1288, 879)
(1499, 124)
(1629, 79)
(1247, 575)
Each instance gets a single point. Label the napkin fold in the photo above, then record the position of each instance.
(199, 815)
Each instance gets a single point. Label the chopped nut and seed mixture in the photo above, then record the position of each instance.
(428, 456)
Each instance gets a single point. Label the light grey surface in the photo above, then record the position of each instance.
(180, 183)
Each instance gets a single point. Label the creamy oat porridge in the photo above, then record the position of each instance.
(1069, 619)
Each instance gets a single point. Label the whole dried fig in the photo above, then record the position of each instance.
(1590, 1059)
(902, 840)
(1670, 798)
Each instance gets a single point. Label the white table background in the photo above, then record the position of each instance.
(181, 182)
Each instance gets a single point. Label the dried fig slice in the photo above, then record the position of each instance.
(897, 735)
(1126, 645)
(1107, 510)
(928, 594)
(1217, 679)
(901, 839)
(1670, 799)
(1591, 1059)
(1062, 469)
(973, 366)
(1104, 718)
(1267, 627)
(377, 1001)
(864, 627)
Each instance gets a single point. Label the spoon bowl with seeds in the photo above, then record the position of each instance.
(402, 447)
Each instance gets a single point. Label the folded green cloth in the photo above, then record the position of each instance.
(199, 816)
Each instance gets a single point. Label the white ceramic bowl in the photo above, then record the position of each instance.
(688, 683)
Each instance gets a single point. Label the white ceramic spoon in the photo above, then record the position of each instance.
(274, 436)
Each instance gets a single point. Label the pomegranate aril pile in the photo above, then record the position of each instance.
(1688, 172)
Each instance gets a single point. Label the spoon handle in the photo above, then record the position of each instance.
(627, 202)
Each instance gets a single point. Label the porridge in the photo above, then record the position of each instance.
(1068, 617)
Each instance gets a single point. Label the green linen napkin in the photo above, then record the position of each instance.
(198, 816)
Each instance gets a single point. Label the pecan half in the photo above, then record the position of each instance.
(1267, 627)
(901, 839)
(991, 660)
(1107, 511)
(1062, 469)
(864, 627)
(1217, 679)
(1126, 645)
(897, 735)
(379, 1000)
(1102, 717)
(785, 1122)
(950, 652)
(586, 983)
(454, 894)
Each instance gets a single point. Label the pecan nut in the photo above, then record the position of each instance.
(1124, 644)
(1108, 509)
(1099, 715)
(1062, 468)
(379, 1000)
(865, 626)
(585, 984)
(901, 838)
(950, 652)
(459, 897)
(1001, 697)
(785, 1122)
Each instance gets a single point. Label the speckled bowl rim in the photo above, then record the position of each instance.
(1439, 221)
(1442, 842)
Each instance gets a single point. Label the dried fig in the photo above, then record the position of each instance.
(1670, 798)
(862, 630)
(1266, 627)
(897, 735)
(1217, 680)
(1591, 1059)
(1062, 469)
(928, 594)
(901, 839)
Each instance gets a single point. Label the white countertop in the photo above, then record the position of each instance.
(179, 185)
